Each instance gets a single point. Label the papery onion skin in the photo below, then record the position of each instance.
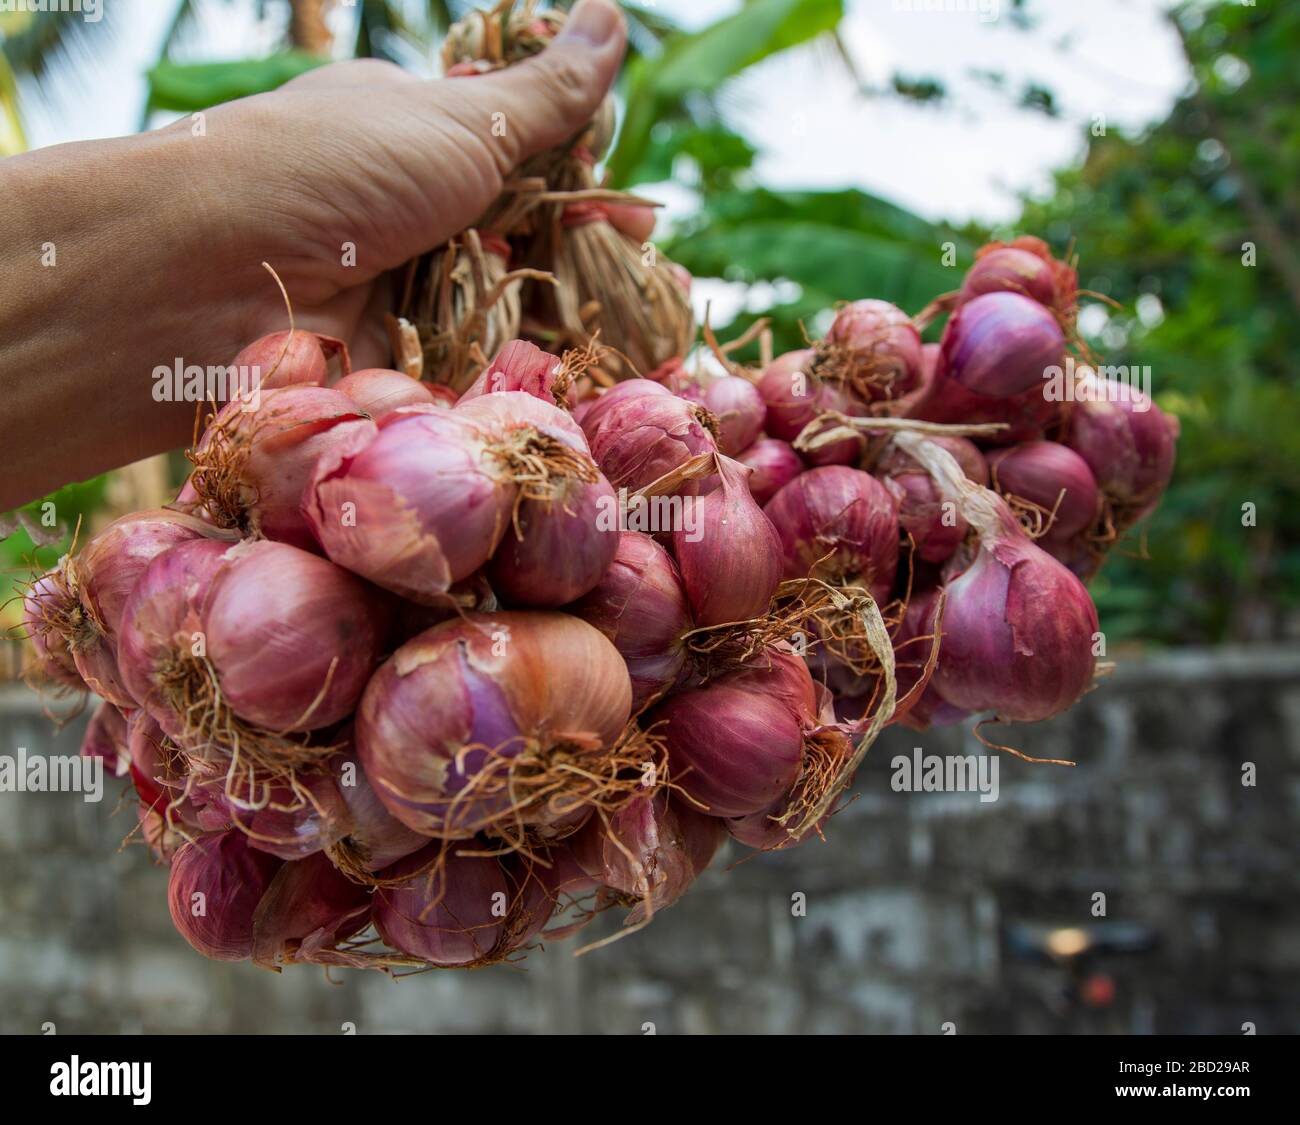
(292, 637)
(774, 464)
(739, 409)
(639, 436)
(45, 607)
(163, 619)
(517, 413)
(523, 366)
(913, 645)
(252, 466)
(304, 362)
(1025, 266)
(842, 513)
(1001, 651)
(444, 909)
(505, 682)
(215, 885)
(375, 839)
(732, 748)
(640, 606)
(379, 391)
(794, 397)
(417, 509)
(876, 349)
(1126, 439)
(1001, 344)
(106, 737)
(731, 558)
(652, 849)
(935, 525)
(307, 909)
(567, 545)
(103, 576)
(1053, 477)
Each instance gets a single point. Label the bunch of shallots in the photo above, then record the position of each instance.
(416, 674)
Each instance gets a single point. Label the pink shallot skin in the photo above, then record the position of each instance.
(840, 525)
(417, 508)
(1000, 651)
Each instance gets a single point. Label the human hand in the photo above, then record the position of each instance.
(128, 254)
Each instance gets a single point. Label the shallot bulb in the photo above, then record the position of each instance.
(730, 559)
(650, 851)
(252, 466)
(565, 529)
(215, 886)
(99, 580)
(913, 647)
(795, 397)
(1052, 479)
(522, 366)
(839, 525)
(107, 737)
(774, 464)
(282, 638)
(739, 409)
(50, 612)
(1026, 266)
(285, 359)
(995, 359)
(741, 742)
(640, 606)
(442, 907)
(638, 436)
(873, 349)
(379, 391)
(292, 822)
(1000, 651)
(1001, 344)
(375, 839)
(493, 719)
(418, 508)
(305, 912)
(934, 524)
(561, 547)
(1127, 441)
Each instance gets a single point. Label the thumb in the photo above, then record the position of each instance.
(550, 97)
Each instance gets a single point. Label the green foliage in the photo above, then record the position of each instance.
(21, 558)
(692, 66)
(835, 246)
(1165, 216)
(189, 87)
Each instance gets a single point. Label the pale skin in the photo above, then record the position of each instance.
(158, 239)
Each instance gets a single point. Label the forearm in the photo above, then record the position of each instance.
(113, 267)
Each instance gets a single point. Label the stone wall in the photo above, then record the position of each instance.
(915, 906)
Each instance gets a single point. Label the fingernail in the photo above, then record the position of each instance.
(592, 21)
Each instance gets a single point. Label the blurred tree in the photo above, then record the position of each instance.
(1193, 228)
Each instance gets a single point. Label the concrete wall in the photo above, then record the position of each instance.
(909, 905)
